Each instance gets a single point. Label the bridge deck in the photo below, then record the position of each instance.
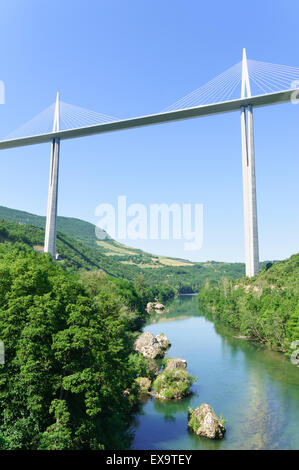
(188, 113)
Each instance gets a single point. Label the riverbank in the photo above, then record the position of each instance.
(264, 308)
(254, 388)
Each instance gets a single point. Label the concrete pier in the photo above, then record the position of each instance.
(249, 183)
(51, 222)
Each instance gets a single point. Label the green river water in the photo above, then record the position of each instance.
(255, 389)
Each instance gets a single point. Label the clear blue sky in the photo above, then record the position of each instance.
(133, 57)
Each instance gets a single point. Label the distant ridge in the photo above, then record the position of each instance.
(80, 249)
(72, 227)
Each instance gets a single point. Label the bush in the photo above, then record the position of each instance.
(173, 384)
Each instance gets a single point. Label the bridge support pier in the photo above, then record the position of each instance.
(249, 186)
(51, 221)
(249, 194)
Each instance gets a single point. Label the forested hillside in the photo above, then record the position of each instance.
(83, 251)
(72, 227)
(74, 254)
(68, 354)
(265, 307)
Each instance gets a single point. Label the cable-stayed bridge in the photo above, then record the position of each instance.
(242, 87)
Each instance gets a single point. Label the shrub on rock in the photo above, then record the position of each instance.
(173, 384)
(144, 385)
(204, 422)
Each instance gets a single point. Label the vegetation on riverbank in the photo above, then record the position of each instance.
(265, 307)
(68, 344)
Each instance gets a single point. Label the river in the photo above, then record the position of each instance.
(255, 389)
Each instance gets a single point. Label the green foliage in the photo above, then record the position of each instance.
(3, 443)
(139, 365)
(161, 292)
(174, 383)
(265, 307)
(58, 436)
(68, 345)
(221, 420)
(74, 254)
(193, 420)
(78, 248)
(74, 228)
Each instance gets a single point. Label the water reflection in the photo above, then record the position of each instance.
(255, 389)
(169, 409)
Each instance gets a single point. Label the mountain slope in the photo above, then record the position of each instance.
(74, 228)
(80, 249)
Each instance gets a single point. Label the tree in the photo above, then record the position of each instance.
(67, 355)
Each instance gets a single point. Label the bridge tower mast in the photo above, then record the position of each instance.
(50, 234)
(249, 182)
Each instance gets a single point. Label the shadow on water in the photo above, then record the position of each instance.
(169, 409)
(256, 389)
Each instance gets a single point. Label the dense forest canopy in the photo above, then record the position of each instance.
(68, 349)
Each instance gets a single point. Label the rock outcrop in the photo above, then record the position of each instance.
(175, 363)
(144, 385)
(150, 346)
(150, 307)
(163, 341)
(204, 422)
(158, 307)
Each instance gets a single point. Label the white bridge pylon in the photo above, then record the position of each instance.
(273, 84)
(51, 220)
(249, 181)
